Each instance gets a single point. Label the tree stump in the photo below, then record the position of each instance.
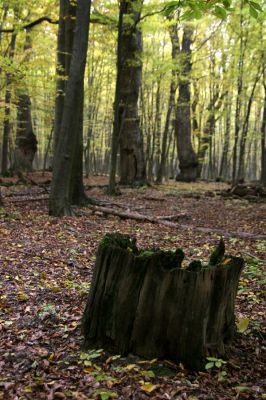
(145, 303)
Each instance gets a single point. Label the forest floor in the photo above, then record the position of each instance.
(46, 266)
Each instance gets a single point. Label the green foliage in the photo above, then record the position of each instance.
(214, 363)
(86, 358)
(197, 9)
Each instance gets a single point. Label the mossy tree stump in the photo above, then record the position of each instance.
(143, 302)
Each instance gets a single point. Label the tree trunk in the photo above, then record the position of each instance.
(263, 136)
(117, 117)
(64, 51)
(171, 102)
(26, 142)
(187, 158)
(132, 166)
(47, 150)
(239, 96)
(67, 186)
(243, 139)
(143, 302)
(224, 167)
(6, 130)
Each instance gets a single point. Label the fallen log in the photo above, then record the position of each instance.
(145, 303)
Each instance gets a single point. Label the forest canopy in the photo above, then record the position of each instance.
(201, 67)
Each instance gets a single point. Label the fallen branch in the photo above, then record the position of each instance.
(26, 199)
(145, 218)
(174, 217)
(252, 256)
(153, 220)
(153, 198)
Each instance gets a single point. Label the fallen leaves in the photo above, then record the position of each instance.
(243, 324)
(45, 270)
(148, 387)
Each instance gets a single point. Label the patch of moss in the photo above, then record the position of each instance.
(119, 240)
(168, 259)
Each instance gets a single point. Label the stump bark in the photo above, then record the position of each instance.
(145, 303)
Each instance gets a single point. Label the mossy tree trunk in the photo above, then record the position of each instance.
(146, 304)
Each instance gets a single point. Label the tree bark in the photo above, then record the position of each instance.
(244, 133)
(239, 96)
(132, 165)
(143, 302)
(67, 186)
(173, 86)
(64, 51)
(224, 167)
(6, 130)
(263, 135)
(26, 142)
(187, 158)
(117, 117)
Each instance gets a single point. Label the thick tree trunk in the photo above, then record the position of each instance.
(187, 158)
(143, 302)
(132, 166)
(64, 51)
(67, 20)
(26, 142)
(67, 186)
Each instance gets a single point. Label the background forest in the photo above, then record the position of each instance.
(164, 103)
(217, 63)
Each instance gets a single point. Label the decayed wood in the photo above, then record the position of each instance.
(145, 304)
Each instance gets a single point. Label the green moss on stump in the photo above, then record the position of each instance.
(169, 259)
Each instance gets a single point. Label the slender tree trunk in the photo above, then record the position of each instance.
(118, 118)
(263, 137)
(6, 130)
(68, 161)
(224, 167)
(158, 126)
(239, 97)
(243, 140)
(187, 158)
(47, 149)
(171, 102)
